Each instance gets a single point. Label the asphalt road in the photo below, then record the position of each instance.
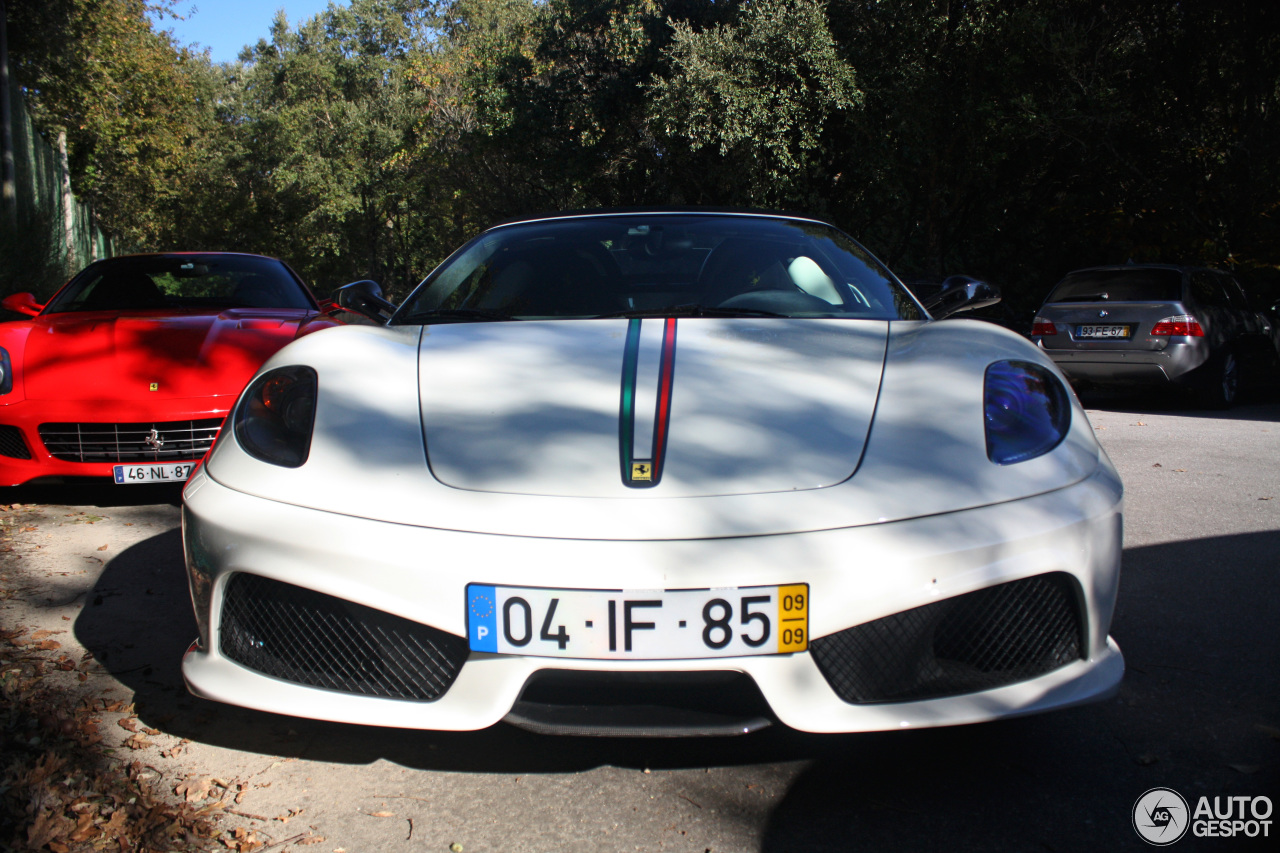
(1199, 710)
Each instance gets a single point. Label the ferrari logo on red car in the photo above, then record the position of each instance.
(155, 386)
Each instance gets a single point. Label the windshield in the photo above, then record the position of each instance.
(638, 265)
(177, 281)
(1136, 284)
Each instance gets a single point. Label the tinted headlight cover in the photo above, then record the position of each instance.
(1027, 411)
(274, 419)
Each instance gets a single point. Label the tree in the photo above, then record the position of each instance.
(757, 93)
(124, 96)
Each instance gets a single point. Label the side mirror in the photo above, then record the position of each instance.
(22, 303)
(961, 293)
(364, 298)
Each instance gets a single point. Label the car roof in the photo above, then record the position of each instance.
(672, 210)
(1122, 267)
(183, 255)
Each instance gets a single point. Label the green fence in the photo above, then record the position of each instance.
(54, 235)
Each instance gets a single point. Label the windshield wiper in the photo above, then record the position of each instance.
(692, 309)
(459, 315)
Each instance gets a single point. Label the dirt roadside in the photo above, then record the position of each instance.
(62, 668)
(94, 578)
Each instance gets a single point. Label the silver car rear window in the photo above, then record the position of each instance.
(1123, 285)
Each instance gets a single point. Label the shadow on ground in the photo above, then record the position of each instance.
(1251, 407)
(92, 492)
(1198, 712)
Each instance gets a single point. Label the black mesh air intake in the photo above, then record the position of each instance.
(303, 636)
(12, 444)
(976, 641)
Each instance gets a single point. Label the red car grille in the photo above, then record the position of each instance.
(144, 442)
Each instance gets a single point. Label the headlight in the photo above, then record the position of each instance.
(1027, 411)
(275, 416)
(6, 372)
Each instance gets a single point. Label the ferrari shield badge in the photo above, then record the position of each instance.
(155, 386)
(645, 414)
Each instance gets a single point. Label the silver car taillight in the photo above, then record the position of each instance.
(1041, 326)
(1183, 324)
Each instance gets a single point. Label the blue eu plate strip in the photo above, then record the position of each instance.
(482, 618)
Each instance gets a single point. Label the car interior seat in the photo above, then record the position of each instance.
(128, 289)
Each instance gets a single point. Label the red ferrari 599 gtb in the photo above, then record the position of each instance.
(130, 369)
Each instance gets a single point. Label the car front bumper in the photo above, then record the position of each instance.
(855, 575)
(24, 457)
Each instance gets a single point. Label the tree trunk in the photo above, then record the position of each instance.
(8, 168)
(68, 201)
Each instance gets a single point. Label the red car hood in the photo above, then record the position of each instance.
(149, 355)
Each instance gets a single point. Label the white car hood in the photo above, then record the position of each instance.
(924, 454)
(558, 408)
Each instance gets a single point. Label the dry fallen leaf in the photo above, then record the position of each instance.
(138, 741)
(382, 814)
(103, 547)
(129, 724)
(193, 789)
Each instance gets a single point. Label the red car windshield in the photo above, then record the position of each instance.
(179, 281)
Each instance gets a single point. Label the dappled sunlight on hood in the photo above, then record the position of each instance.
(756, 406)
(550, 411)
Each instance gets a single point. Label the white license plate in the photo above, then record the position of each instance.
(1102, 331)
(664, 624)
(172, 472)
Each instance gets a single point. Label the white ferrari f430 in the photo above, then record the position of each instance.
(656, 472)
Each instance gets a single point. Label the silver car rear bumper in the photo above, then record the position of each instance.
(1173, 364)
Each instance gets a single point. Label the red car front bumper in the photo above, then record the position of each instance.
(96, 435)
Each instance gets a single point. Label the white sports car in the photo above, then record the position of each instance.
(656, 473)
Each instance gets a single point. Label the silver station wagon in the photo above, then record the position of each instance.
(1151, 324)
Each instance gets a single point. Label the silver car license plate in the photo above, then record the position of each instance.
(1103, 331)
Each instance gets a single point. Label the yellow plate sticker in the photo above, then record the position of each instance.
(793, 618)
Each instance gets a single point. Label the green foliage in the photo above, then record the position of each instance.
(760, 91)
(124, 96)
(1009, 140)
